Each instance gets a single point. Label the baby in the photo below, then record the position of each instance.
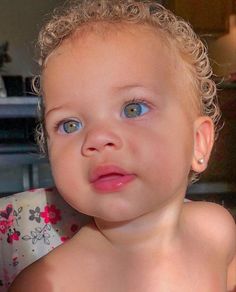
(129, 120)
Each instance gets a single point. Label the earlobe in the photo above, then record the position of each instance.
(203, 143)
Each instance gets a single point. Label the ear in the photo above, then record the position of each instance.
(203, 143)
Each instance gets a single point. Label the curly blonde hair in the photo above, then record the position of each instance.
(67, 20)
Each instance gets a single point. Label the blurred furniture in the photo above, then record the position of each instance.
(208, 17)
(21, 166)
(14, 85)
(32, 224)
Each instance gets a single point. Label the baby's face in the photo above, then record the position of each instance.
(119, 123)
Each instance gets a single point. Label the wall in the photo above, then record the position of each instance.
(223, 51)
(20, 21)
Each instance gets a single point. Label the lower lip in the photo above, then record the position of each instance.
(112, 184)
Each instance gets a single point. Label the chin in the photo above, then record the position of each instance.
(118, 216)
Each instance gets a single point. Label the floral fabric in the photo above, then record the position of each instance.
(33, 223)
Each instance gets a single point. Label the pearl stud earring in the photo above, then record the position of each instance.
(201, 161)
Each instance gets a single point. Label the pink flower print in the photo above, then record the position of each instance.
(7, 278)
(15, 261)
(65, 238)
(49, 189)
(35, 214)
(74, 228)
(32, 190)
(7, 215)
(3, 226)
(51, 214)
(13, 235)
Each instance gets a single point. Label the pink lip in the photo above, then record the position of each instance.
(110, 178)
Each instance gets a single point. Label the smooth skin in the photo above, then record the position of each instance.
(143, 237)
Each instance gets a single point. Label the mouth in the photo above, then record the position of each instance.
(110, 178)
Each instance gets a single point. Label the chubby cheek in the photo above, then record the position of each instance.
(164, 154)
(69, 179)
(65, 164)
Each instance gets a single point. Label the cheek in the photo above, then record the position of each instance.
(64, 162)
(66, 172)
(164, 150)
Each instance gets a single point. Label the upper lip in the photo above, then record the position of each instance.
(104, 170)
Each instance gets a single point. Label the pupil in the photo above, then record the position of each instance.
(69, 126)
(133, 110)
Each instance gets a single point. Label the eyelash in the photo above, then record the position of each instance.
(130, 101)
(59, 123)
(136, 100)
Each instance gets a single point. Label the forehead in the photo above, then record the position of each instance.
(118, 55)
(92, 35)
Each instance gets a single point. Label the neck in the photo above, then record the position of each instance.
(159, 229)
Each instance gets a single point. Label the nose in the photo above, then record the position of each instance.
(99, 140)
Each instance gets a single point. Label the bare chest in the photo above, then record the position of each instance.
(106, 275)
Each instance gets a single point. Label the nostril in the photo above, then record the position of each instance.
(96, 141)
(92, 149)
(99, 148)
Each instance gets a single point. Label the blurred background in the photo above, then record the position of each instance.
(22, 168)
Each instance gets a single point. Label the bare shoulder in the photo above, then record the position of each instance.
(33, 278)
(216, 225)
(57, 270)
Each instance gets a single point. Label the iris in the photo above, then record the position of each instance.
(71, 126)
(135, 109)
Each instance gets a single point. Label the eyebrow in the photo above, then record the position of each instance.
(149, 88)
(114, 88)
(54, 109)
(130, 86)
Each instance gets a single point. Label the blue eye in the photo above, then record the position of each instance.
(70, 126)
(135, 109)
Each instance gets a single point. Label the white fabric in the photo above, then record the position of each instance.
(32, 223)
